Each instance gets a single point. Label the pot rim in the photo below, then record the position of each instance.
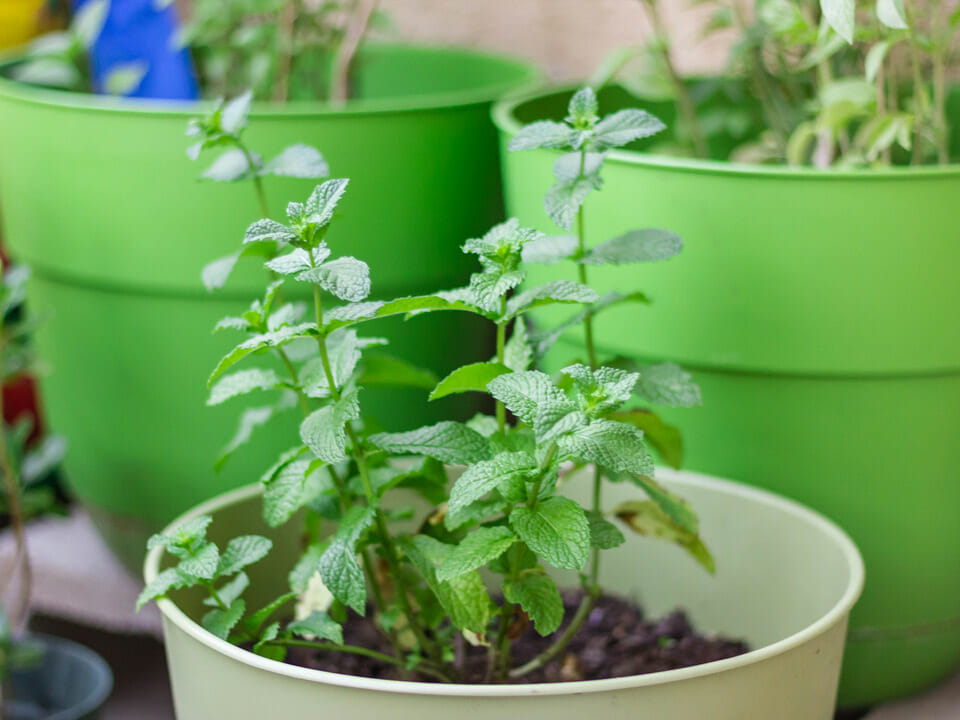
(503, 117)
(528, 76)
(836, 614)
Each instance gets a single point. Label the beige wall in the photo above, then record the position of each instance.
(567, 37)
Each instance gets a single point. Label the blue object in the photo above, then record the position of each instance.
(136, 31)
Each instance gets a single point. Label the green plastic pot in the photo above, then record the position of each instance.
(816, 311)
(99, 198)
(786, 580)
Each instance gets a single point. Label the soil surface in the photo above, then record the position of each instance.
(615, 641)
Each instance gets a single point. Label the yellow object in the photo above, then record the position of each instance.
(19, 21)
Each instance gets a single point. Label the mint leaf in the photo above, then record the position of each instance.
(603, 389)
(542, 134)
(267, 230)
(347, 278)
(549, 249)
(241, 383)
(538, 596)
(306, 566)
(200, 561)
(525, 393)
(323, 201)
(323, 431)
(221, 622)
(392, 371)
(215, 274)
(558, 291)
(603, 533)
(841, 15)
(229, 591)
(564, 200)
(672, 506)
(613, 445)
(506, 472)
(490, 287)
(343, 353)
(169, 579)
(636, 246)
(545, 341)
(264, 341)
(556, 530)
(241, 552)
(668, 384)
(447, 441)
(623, 127)
(298, 260)
(285, 492)
(252, 625)
(583, 108)
(474, 512)
(663, 437)
(318, 625)
(469, 378)
(235, 114)
(349, 314)
(517, 353)
(476, 550)
(298, 161)
(465, 598)
(645, 517)
(338, 565)
(573, 166)
(231, 165)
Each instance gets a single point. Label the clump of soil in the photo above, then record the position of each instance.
(615, 641)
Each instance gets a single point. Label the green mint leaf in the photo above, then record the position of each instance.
(124, 78)
(469, 378)
(387, 370)
(286, 492)
(236, 113)
(323, 431)
(221, 622)
(554, 420)
(263, 648)
(250, 420)
(42, 458)
(841, 16)
(474, 512)
(421, 303)
(663, 437)
(489, 288)
(542, 134)
(892, 14)
(344, 315)
(252, 625)
(318, 625)
(230, 591)
(477, 549)
(573, 166)
(347, 278)
(48, 71)
(200, 561)
(677, 509)
(545, 341)
(636, 246)
(88, 22)
(306, 567)
(169, 579)
(263, 341)
(602, 390)
(669, 385)
(603, 533)
(343, 352)
(564, 200)
(267, 230)
(506, 473)
(549, 249)
(537, 594)
(338, 565)
(646, 518)
(298, 260)
(517, 352)
(233, 323)
(298, 161)
(323, 201)
(447, 441)
(502, 244)
(483, 424)
(555, 530)
(241, 552)
(558, 291)
(525, 393)
(623, 127)
(464, 598)
(583, 108)
(613, 445)
(231, 165)
(241, 383)
(288, 314)
(216, 273)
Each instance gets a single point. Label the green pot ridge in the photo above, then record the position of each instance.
(813, 308)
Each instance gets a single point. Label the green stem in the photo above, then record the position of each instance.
(208, 584)
(423, 667)
(501, 354)
(534, 496)
(257, 182)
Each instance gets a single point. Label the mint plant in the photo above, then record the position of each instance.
(505, 512)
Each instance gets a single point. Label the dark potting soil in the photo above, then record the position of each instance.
(615, 641)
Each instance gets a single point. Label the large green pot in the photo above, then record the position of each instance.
(817, 311)
(786, 580)
(99, 197)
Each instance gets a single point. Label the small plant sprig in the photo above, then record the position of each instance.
(22, 466)
(224, 127)
(505, 511)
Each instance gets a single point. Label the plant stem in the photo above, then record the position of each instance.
(208, 584)
(285, 41)
(257, 182)
(501, 345)
(684, 100)
(583, 611)
(343, 62)
(423, 667)
(11, 482)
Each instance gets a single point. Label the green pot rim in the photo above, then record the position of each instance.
(503, 115)
(528, 76)
(173, 614)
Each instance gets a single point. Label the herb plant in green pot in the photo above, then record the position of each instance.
(810, 301)
(99, 198)
(406, 573)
